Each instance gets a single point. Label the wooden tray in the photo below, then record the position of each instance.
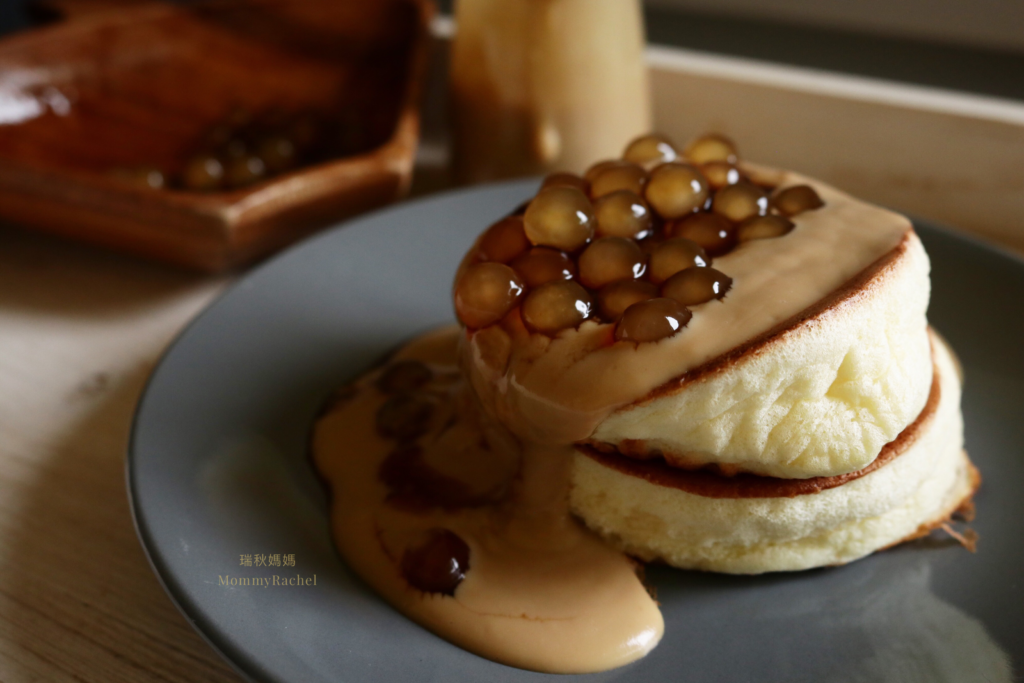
(137, 85)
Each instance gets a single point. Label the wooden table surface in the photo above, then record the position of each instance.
(80, 330)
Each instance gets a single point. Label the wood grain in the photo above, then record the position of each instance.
(121, 88)
(78, 601)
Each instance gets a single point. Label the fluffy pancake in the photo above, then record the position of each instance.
(928, 480)
(820, 398)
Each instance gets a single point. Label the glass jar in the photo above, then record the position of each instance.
(542, 85)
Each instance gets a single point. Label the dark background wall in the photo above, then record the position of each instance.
(971, 45)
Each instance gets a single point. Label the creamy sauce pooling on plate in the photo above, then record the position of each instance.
(540, 591)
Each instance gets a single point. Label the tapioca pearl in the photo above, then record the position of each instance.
(614, 299)
(504, 240)
(436, 563)
(795, 200)
(695, 286)
(556, 306)
(600, 167)
(720, 174)
(673, 255)
(652, 320)
(622, 176)
(763, 227)
(610, 259)
(485, 293)
(650, 150)
(623, 214)
(676, 189)
(560, 217)
(712, 232)
(203, 173)
(711, 147)
(244, 170)
(566, 180)
(540, 265)
(740, 201)
(146, 177)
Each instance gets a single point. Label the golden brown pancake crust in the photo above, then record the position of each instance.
(714, 485)
(855, 286)
(964, 508)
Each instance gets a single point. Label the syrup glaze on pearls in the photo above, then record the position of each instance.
(676, 189)
(623, 214)
(245, 147)
(713, 233)
(614, 299)
(556, 306)
(609, 260)
(437, 564)
(485, 293)
(629, 244)
(740, 201)
(504, 240)
(796, 199)
(763, 227)
(540, 265)
(560, 217)
(674, 255)
(650, 150)
(720, 174)
(566, 180)
(711, 147)
(623, 175)
(652, 320)
(695, 286)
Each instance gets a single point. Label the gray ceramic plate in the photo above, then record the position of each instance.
(218, 470)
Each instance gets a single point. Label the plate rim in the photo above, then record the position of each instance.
(170, 584)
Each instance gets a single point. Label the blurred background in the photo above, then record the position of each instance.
(971, 45)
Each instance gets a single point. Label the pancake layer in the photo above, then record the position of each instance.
(920, 488)
(820, 398)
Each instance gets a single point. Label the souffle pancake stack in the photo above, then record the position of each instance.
(738, 358)
(679, 357)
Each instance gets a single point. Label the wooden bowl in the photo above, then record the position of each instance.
(84, 100)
